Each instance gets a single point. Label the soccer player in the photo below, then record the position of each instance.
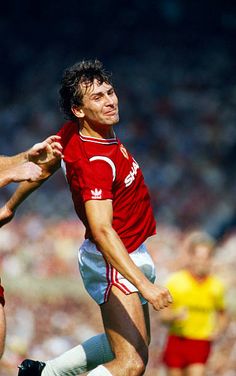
(197, 316)
(112, 200)
(18, 168)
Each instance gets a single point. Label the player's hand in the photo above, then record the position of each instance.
(158, 296)
(26, 171)
(46, 151)
(6, 215)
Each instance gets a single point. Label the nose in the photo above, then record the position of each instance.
(109, 100)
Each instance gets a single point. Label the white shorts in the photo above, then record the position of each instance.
(99, 276)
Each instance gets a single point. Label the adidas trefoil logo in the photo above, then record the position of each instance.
(96, 194)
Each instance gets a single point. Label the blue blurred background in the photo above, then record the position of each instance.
(173, 63)
(174, 70)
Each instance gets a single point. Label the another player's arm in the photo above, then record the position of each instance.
(169, 315)
(24, 166)
(7, 162)
(222, 315)
(24, 171)
(45, 151)
(5, 176)
(25, 189)
(222, 322)
(100, 215)
(41, 152)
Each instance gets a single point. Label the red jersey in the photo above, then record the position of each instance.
(2, 299)
(101, 169)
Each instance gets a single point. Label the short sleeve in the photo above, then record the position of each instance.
(96, 180)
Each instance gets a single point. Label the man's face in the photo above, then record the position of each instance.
(201, 260)
(100, 104)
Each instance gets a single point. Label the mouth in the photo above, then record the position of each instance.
(111, 113)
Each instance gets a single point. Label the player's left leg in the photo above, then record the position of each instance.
(125, 325)
(197, 369)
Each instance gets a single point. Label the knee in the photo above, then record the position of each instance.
(138, 367)
(135, 367)
(136, 363)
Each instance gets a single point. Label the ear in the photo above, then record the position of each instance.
(77, 111)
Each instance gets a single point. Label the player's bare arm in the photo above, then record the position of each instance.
(46, 150)
(168, 316)
(25, 189)
(222, 323)
(39, 153)
(7, 162)
(24, 171)
(116, 254)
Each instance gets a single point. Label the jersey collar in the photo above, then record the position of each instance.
(96, 140)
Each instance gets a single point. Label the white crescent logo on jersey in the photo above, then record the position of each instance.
(105, 159)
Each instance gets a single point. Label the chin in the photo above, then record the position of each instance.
(116, 120)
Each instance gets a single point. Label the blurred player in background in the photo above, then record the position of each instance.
(112, 200)
(197, 316)
(18, 168)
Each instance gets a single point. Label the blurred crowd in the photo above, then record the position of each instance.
(48, 310)
(177, 110)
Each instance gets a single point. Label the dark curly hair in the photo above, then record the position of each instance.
(82, 72)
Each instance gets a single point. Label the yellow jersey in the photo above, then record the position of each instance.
(199, 300)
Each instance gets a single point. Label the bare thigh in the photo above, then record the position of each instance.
(175, 372)
(127, 326)
(195, 370)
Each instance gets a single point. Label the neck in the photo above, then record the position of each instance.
(197, 276)
(98, 131)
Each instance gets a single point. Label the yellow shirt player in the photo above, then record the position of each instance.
(197, 314)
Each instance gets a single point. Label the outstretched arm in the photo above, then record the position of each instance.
(40, 153)
(25, 189)
(9, 162)
(23, 166)
(24, 171)
(45, 151)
